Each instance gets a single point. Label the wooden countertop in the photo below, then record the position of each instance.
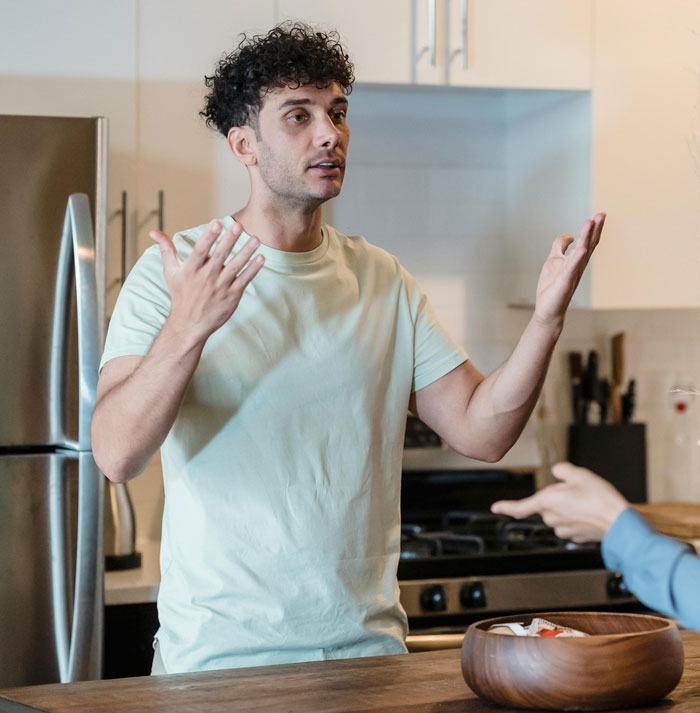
(412, 683)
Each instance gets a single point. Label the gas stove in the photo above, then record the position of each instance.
(460, 563)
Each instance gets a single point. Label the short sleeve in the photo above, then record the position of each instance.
(141, 309)
(434, 352)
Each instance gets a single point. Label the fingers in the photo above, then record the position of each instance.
(560, 245)
(517, 508)
(200, 252)
(588, 238)
(566, 471)
(590, 233)
(237, 262)
(224, 247)
(599, 221)
(243, 279)
(167, 250)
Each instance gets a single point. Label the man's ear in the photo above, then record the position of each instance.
(241, 141)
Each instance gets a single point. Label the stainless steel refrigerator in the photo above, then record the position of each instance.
(52, 224)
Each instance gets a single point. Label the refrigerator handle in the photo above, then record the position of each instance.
(61, 320)
(61, 589)
(85, 655)
(78, 242)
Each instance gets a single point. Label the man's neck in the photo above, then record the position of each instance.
(282, 229)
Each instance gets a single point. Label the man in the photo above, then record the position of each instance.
(662, 572)
(278, 385)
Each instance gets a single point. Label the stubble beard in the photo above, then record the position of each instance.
(286, 189)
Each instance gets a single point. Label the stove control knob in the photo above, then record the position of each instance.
(617, 587)
(433, 598)
(473, 596)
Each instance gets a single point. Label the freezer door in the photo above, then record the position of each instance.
(50, 529)
(44, 160)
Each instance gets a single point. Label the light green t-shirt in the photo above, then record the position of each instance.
(281, 529)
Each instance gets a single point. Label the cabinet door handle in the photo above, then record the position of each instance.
(123, 214)
(465, 33)
(159, 211)
(432, 31)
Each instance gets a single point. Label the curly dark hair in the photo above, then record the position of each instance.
(289, 55)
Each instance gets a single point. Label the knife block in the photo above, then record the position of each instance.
(616, 452)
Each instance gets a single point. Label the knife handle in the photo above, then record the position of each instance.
(578, 403)
(615, 404)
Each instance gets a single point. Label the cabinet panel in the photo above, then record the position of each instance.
(177, 152)
(646, 161)
(541, 44)
(376, 33)
(81, 61)
(73, 38)
(185, 45)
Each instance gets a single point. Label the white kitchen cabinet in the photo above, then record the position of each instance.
(77, 58)
(535, 44)
(376, 33)
(646, 153)
(544, 44)
(177, 153)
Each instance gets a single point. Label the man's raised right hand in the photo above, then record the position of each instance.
(204, 291)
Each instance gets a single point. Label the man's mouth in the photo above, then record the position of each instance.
(328, 165)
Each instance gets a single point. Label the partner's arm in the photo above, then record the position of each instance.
(482, 417)
(138, 397)
(662, 572)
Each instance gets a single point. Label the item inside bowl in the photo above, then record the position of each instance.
(537, 627)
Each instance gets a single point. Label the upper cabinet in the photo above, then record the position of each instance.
(376, 33)
(78, 58)
(646, 153)
(543, 44)
(529, 44)
(179, 157)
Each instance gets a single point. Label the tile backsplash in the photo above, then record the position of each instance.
(662, 349)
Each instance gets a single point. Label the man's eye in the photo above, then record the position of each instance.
(339, 115)
(297, 118)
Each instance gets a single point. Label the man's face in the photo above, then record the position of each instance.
(302, 140)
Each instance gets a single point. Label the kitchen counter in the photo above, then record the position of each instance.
(413, 683)
(136, 586)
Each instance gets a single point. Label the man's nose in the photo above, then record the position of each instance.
(327, 133)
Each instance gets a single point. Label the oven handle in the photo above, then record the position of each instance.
(433, 642)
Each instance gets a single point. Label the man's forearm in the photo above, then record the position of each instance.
(502, 403)
(133, 418)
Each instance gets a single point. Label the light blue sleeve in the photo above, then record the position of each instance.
(662, 572)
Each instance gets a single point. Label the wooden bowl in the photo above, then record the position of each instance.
(629, 660)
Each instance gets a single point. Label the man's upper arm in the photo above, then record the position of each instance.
(442, 405)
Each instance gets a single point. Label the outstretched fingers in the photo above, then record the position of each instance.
(243, 279)
(203, 246)
(518, 508)
(224, 247)
(566, 472)
(167, 250)
(590, 234)
(599, 222)
(239, 260)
